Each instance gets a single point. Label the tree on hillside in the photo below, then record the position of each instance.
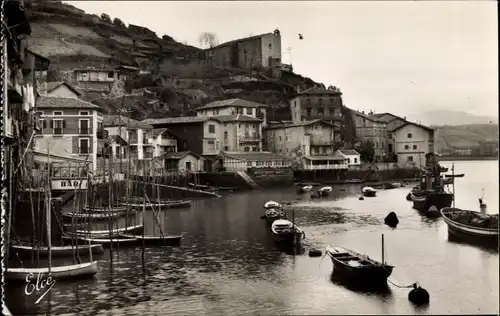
(118, 22)
(208, 40)
(105, 18)
(167, 38)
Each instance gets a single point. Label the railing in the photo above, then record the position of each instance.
(250, 137)
(326, 167)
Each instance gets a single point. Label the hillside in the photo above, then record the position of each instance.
(470, 135)
(70, 38)
(450, 117)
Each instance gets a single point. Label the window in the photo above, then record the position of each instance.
(249, 163)
(58, 126)
(254, 148)
(84, 127)
(226, 148)
(111, 75)
(280, 138)
(84, 147)
(225, 135)
(118, 152)
(320, 111)
(410, 135)
(308, 111)
(249, 111)
(58, 113)
(211, 129)
(355, 160)
(407, 147)
(247, 148)
(84, 112)
(211, 145)
(270, 46)
(414, 146)
(410, 158)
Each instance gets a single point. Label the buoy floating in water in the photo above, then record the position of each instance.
(391, 220)
(361, 198)
(418, 296)
(315, 253)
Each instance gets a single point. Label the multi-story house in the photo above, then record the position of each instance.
(201, 135)
(317, 103)
(234, 107)
(164, 141)
(410, 142)
(259, 51)
(70, 127)
(58, 89)
(370, 128)
(312, 144)
(137, 135)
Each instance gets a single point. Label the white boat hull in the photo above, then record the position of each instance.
(62, 272)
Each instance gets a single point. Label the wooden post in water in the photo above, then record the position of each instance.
(453, 181)
(49, 204)
(383, 250)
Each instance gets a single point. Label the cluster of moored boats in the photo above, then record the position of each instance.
(284, 232)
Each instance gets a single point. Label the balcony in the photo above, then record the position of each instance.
(58, 131)
(250, 137)
(168, 142)
(14, 84)
(326, 167)
(210, 147)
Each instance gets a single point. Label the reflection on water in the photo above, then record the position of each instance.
(228, 264)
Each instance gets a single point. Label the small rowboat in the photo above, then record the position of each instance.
(471, 225)
(86, 269)
(166, 240)
(94, 216)
(305, 189)
(105, 242)
(458, 175)
(369, 191)
(104, 210)
(327, 189)
(161, 205)
(57, 251)
(273, 214)
(286, 232)
(272, 204)
(107, 233)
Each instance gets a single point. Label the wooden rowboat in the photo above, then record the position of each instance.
(57, 251)
(154, 240)
(369, 192)
(104, 209)
(471, 225)
(106, 233)
(105, 242)
(161, 205)
(86, 269)
(94, 216)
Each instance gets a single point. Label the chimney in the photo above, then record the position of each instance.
(363, 112)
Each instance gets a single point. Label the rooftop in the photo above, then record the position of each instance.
(372, 118)
(348, 152)
(176, 120)
(50, 86)
(178, 155)
(254, 155)
(120, 120)
(320, 91)
(44, 102)
(231, 102)
(250, 38)
(395, 128)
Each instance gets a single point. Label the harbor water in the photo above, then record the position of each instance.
(227, 263)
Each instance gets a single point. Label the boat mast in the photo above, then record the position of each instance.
(453, 182)
(49, 202)
(383, 258)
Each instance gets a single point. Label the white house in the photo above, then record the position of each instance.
(352, 156)
(410, 142)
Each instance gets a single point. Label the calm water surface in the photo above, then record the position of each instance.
(228, 264)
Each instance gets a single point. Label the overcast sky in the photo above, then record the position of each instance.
(397, 56)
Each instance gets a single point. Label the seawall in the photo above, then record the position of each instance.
(465, 158)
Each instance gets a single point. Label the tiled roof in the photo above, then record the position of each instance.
(303, 123)
(120, 120)
(317, 90)
(178, 155)
(254, 155)
(335, 156)
(379, 115)
(50, 86)
(176, 120)
(240, 40)
(372, 118)
(236, 118)
(158, 131)
(232, 102)
(395, 128)
(348, 152)
(64, 103)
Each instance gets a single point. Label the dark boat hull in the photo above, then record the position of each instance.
(370, 193)
(439, 200)
(58, 251)
(155, 241)
(369, 274)
(488, 236)
(288, 238)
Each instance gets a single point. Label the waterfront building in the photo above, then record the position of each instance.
(235, 107)
(137, 135)
(370, 128)
(488, 148)
(242, 162)
(312, 145)
(70, 128)
(352, 156)
(410, 142)
(254, 52)
(183, 161)
(318, 103)
(201, 135)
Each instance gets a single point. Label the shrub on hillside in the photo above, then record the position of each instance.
(105, 18)
(167, 38)
(118, 22)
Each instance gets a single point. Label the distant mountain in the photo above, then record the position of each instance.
(461, 136)
(450, 117)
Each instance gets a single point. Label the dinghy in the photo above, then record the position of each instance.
(94, 216)
(105, 242)
(57, 251)
(286, 232)
(86, 269)
(106, 233)
(304, 189)
(369, 191)
(272, 204)
(155, 240)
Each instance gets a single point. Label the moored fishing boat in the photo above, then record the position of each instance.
(108, 233)
(358, 267)
(105, 242)
(369, 191)
(105, 210)
(165, 240)
(57, 251)
(286, 232)
(272, 204)
(471, 225)
(423, 200)
(160, 205)
(63, 272)
(94, 216)
(273, 214)
(304, 189)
